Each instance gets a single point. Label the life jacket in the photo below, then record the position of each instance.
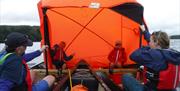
(3, 57)
(28, 76)
(117, 56)
(166, 79)
(27, 86)
(59, 55)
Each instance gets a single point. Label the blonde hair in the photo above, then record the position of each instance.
(161, 38)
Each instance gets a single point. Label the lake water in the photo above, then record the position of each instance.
(174, 43)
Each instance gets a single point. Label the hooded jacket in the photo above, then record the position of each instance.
(163, 66)
(156, 59)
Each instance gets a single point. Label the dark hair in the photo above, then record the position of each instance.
(9, 50)
(161, 38)
(117, 44)
(56, 46)
(62, 42)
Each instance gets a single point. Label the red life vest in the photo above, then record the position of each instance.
(58, 55)
(168, 79)
(28, 76)
(117, 56)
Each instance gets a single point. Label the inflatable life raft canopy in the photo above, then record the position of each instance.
(90, 28)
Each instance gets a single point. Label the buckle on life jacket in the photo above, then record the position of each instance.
(152, 75)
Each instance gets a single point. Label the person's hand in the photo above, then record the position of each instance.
(142, 27)
(44, 47)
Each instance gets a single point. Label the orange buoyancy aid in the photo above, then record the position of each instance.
(79, 87)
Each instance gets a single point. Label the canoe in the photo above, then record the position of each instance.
(83, 74)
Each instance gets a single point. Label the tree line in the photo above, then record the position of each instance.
(33, 32)
(175, 37)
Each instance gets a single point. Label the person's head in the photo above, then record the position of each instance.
(62, 44)
(159, 39)
(118, 44)
(17, 42)
(56, 47)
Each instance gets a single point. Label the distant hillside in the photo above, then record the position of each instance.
(175, 37)
(32, 31)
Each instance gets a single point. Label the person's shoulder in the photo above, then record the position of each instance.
(113, 50)
(122, 49)
(170, 52)
(144, 48)
(13, 57)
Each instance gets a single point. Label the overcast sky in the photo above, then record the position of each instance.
(159, 14)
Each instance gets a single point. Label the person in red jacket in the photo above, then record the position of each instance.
(117, 56)
(60, 57)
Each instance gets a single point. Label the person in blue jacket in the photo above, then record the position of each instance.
(162, 64)
(30, 56)
(13, 68)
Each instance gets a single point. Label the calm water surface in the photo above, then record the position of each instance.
(175, 44)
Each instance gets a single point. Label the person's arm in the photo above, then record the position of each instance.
(171, 56)
(147, 36)
(110, 56)
(124, 57)
(6, 85)
(30, 56)
(67, 58)
(140, 54)
(149, 57)
(146, 33)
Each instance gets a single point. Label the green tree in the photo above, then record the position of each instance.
(32, 31)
